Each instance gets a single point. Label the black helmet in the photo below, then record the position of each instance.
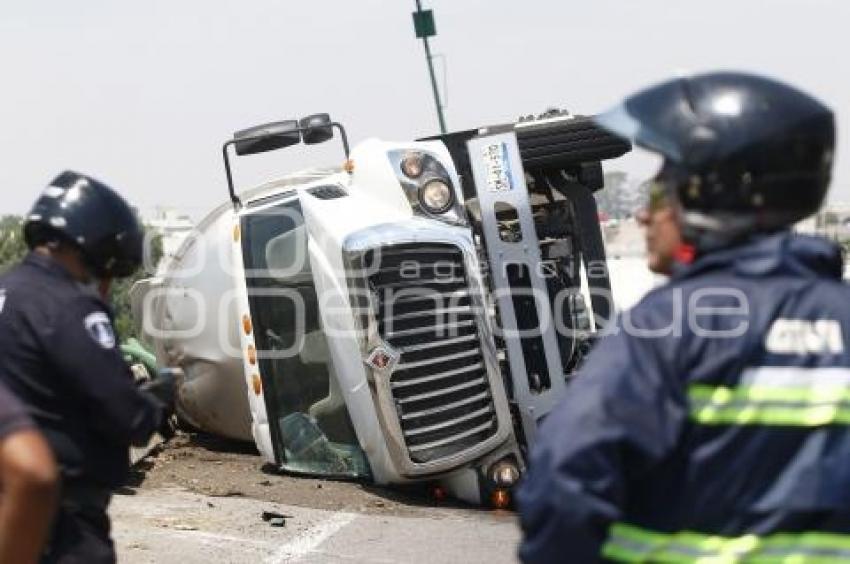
(741, 149)
(78, 209)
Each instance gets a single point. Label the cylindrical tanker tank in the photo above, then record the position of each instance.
(191, 324)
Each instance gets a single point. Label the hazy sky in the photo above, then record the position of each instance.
(142, 94)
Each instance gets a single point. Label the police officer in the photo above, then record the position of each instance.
(28, 482)
(59, 354)
(714, 425)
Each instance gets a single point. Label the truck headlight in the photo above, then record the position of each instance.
(412, 165)
(436, 196)
(427, 184)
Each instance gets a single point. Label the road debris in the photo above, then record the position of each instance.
(275, 519)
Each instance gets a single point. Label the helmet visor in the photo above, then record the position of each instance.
(623, 121)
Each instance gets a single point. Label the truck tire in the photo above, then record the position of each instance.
(560, 143)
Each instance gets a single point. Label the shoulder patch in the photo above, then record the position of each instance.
(100, 329)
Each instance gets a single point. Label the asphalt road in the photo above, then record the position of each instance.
(174, 525)
(200, 500)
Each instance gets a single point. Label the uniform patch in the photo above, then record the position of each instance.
(801, 337)
(100, 329)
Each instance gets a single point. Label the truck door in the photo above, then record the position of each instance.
(309, 424)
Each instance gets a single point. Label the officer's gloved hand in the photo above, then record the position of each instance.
(164, 387)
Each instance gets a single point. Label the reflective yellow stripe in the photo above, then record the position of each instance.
(808, 394)
(806, 406)
(627, 543)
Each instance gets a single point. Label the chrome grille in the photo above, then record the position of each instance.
(440, 385)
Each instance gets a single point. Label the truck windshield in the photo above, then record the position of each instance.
(310, 425)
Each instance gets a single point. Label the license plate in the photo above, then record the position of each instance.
(498, 167)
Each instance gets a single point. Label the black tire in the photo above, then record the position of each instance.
(570, 148)
(574, 157)
(537, 143)
(575, 127)
(565, 142)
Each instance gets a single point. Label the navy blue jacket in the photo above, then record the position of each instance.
(720, 408)
(59, 356)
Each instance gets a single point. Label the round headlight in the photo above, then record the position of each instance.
(436, 196)
(412, 165)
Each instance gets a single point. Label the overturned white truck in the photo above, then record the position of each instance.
(412, 316)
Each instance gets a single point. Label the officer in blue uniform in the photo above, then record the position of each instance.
(60, 356)
(714, 424)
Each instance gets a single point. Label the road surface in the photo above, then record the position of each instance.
(201, 501)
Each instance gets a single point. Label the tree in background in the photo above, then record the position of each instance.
(13, 248)
(12, 245)
(120, 293)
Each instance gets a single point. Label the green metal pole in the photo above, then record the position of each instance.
(433, 77)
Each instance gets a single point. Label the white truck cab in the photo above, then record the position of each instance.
(410, 317)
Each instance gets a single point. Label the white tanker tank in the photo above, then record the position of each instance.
(398, 318)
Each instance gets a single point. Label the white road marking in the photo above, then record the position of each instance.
(310, 540)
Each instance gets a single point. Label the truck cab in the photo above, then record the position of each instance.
(409, 317)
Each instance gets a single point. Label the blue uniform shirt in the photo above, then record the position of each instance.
(59, 356)
(713, 423)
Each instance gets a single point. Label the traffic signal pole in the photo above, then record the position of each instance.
(423, 25)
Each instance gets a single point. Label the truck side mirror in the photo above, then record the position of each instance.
(316, 128)
(267, 137)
